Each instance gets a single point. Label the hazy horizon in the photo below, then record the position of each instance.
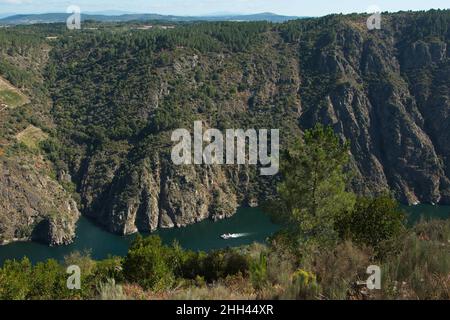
(214, 7)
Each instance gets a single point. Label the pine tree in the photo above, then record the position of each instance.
(313, 191)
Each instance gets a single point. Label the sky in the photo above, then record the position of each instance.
(207, 7)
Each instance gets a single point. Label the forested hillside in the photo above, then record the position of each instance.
(110, 98)
(33, 204)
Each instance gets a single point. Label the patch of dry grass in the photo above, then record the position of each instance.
(10, 96)
(231, 288)
(31, 136)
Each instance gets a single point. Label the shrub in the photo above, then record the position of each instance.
(48, 281)
(108, 269)
(258, 272)
(19, 280)
(109, 290)
(230, 288)
(192, 266)
(421, 269)
(372, 222)
(303, 287)
(87, 268)
(338, 269)
(15, 279)
(223, 263)
(148, 264)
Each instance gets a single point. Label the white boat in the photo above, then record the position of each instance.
(227, 236)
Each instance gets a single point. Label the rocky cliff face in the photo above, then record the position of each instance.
(378, 102)
(169, 196)
(387, 91)
(152, 193)
(34, 206)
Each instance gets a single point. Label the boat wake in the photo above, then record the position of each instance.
(234, 235)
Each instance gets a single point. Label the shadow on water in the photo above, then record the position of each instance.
(251, 223)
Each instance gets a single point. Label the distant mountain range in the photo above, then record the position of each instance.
(62, 17)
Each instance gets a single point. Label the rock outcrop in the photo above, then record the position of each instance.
(378, 101)
(33, 206)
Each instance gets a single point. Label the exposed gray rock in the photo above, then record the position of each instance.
(33, 206)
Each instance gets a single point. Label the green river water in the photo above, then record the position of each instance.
(251, 222)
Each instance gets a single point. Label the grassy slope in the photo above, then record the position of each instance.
(10, 95)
